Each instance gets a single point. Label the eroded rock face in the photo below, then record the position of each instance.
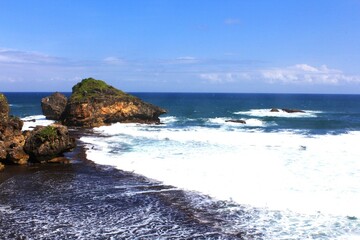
(46, 143)
(4, 108)
(11, 138)
(53, 106)
(94, 103)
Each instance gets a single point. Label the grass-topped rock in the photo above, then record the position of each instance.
(46, 143)
(91, 88)
(95, 103)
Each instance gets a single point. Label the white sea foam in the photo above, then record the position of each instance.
(250, 122)
(168, 119)
(36, 120)
(264, 169)
(281, 113)
(284, 171)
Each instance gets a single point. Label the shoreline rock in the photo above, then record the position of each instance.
(46, 143)
(39, 145)
(11, 138)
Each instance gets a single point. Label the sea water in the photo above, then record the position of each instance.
(279, 176)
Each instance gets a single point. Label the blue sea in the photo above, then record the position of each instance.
(279, 176)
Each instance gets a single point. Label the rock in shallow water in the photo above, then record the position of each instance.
(46, 143)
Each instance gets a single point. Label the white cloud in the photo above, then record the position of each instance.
(297, 74)
(10, 56)
(113, 61)
(306, 74)
(225, 77)
(186, 60)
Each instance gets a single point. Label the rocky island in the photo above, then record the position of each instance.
(94, 103)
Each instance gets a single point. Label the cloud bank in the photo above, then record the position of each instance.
(33, 71)
(300, 74)
(306, 74)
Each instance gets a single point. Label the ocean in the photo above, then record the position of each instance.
(197, 176)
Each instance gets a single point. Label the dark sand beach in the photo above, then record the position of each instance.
(82, 200)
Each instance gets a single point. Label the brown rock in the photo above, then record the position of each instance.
(3, 152)
(94, 103)
(53, 106)
(4, 108)
(236, 121)
(1, 167)
(274, 110)
(18, 156)
(46, 143)
(62, 160)
(11, 138)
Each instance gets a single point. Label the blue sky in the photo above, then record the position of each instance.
(182, 45)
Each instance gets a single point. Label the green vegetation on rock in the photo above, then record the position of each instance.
(91, 88)
(47, 133)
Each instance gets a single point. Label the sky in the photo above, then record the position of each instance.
(240, 46)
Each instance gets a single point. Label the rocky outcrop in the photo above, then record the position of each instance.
(292, 110)
(53, 106)
(46, 143)
(287, 110)
(236, 121)
(94, 103)
(11, 137)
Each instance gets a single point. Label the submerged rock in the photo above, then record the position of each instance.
(53, 106)
(236, 121)
(46, 143)
(94, 103)
(287, 110)
(292, 110)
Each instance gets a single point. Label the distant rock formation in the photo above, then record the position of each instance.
(287, 110)
(53, 106)
(46, 143)
(11, 137)
(292, 110)
(94, 103)
(236, 121)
